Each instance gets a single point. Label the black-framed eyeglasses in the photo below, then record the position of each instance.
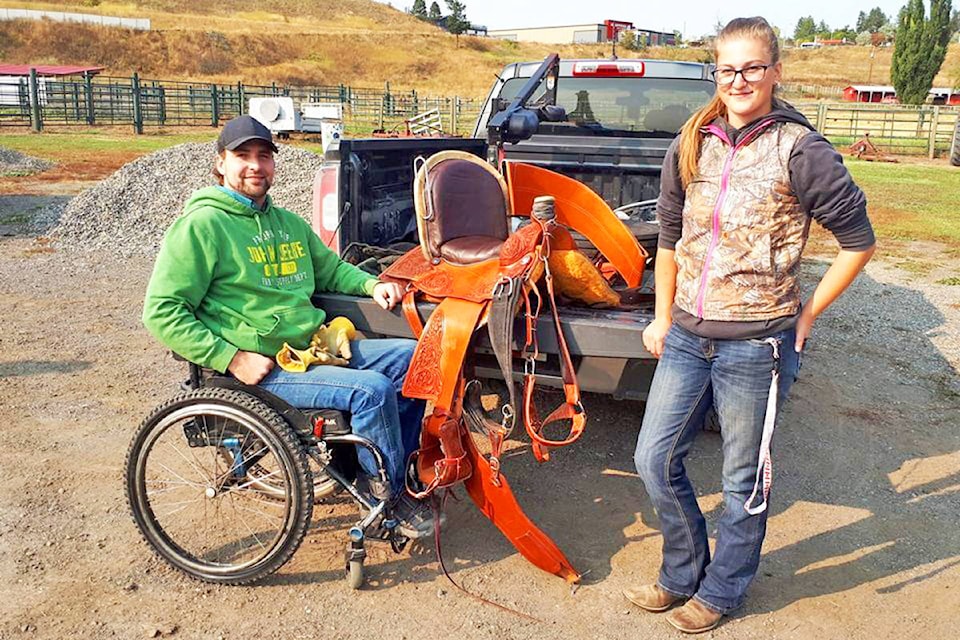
(753, 73)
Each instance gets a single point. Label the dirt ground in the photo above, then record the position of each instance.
(864, 535)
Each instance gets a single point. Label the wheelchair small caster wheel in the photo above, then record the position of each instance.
(355, 574)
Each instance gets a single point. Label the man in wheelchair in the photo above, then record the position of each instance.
(233, 282)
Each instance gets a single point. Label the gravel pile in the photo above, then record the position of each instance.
(131, 210)
(14, 163)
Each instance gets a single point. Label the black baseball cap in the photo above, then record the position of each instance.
(243, 129)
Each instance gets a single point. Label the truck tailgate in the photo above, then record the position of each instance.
(589, 332)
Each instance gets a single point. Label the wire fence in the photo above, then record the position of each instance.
(143, 103)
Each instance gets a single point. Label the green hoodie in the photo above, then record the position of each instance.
(217, 286)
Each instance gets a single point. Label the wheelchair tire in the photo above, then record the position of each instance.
(225, 531)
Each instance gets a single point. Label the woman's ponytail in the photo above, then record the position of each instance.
(691, 138)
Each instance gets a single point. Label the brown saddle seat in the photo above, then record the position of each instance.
(470, 249)
(462, 209)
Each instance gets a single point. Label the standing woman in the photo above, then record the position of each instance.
(739, 188)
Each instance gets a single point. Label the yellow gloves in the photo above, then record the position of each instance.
(329, 345)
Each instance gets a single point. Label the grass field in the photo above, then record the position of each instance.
(355, 42)
(912, 201)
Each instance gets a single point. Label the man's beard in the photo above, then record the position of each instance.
(254, 191)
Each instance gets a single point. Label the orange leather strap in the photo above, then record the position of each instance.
(571, 409)
(410, 313)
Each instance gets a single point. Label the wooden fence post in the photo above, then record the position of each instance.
(821, 116)
(241, 102)
(137, 107)
(934, 124)
(36, 118)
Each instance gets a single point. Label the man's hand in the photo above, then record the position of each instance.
(249, 367)
(387, 294)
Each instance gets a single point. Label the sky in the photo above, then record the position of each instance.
(691, 17)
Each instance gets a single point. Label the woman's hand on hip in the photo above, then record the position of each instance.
(804, 327)
(249, 367)
(655, 334)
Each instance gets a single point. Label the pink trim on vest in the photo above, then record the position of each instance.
(724, 183)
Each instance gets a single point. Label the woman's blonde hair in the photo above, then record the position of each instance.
(690, 136)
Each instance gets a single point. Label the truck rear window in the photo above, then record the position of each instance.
(649, 105)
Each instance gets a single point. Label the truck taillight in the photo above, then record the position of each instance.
(612, 69)
(326, 206)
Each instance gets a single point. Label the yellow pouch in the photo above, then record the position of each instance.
(575, 277)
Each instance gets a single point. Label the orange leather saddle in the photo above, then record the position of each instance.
(481, 274)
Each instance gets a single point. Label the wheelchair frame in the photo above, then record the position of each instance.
(318, 433)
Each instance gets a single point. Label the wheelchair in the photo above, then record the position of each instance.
(222, 479)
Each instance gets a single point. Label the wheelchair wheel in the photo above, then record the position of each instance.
(271, 486)
(207, 512)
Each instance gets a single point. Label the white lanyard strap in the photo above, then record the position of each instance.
(765, 462)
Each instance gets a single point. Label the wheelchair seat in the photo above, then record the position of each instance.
(331, 422)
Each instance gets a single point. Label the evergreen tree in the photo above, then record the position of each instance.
(435, 11)
(861, 22)
(457, 21)
(874, 20)
(806, 30)
(921, 46)
(419, 9)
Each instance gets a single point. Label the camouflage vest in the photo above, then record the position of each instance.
(743, 228)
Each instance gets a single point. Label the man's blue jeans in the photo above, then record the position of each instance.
(369, 388)
(693, 374)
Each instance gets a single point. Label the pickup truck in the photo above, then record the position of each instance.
(606, 123)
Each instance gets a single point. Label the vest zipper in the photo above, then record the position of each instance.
(724, 183)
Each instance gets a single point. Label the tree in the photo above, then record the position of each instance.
(861, 22)
(874, 20)
(845, 33)
(921, 46)
(806, 29)
(434, 14)
(457, 21)
(419, 9)
(628, 40)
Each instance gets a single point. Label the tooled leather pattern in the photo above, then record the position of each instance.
(424, 378)
(520, 244)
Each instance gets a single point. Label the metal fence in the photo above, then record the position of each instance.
(899, 129)
(140, 103)
(143, 103)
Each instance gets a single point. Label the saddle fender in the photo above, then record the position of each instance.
(579, 208)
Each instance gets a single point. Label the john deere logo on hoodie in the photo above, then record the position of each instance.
(265, 254)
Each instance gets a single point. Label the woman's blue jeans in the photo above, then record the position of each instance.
(734, 376)
(369, 388)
